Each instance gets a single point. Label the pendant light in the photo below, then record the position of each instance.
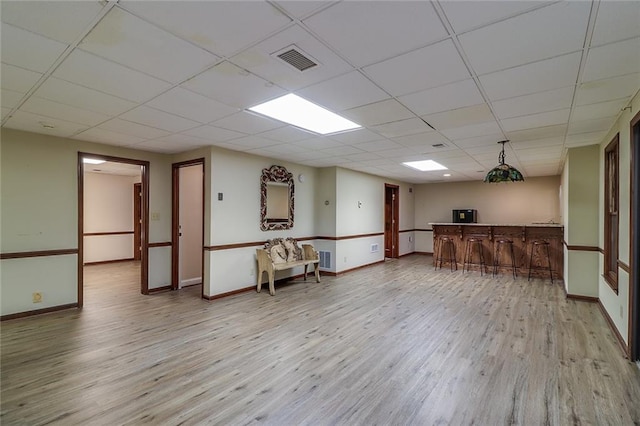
(503, 172)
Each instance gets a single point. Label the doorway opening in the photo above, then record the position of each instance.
(634, 243)
(108, 183)
(187, 255)
(391, 220)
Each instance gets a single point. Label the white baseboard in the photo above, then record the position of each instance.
(190, 281)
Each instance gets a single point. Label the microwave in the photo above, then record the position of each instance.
(465, 216)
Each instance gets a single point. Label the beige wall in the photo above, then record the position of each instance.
(190, 213)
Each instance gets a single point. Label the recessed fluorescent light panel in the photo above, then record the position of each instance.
(301, 113)
(425, 165)
(92, 161)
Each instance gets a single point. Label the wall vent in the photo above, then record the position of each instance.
(325, 259)
(374, 248)
(295, 57)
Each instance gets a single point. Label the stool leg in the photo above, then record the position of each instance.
(513, 261)
(533, 246)
(465, 259)
(436, 252)
(481, 259)
(453, 250)
(549, 263)
(496, 254)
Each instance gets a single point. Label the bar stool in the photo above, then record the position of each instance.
(446, 244)
(468, 254)
(536, 246)
(501, 245)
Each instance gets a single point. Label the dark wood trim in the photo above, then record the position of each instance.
(39, 253)
(350, 237)
(80, 265)
(612, 326)
(581, 248)
(229, 293)
(581, 297)
(160, 289)
(38, 311)
(423, 253)
(423, 230)
(406, 230)
(611, 211)
(102, 262)
(99, 234)
(137, 220)
(624, 266)
(162, 244)
(356, 268)
(234, 246)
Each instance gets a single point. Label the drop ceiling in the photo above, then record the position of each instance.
(172, 76)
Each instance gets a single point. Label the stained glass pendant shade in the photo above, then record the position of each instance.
(503, 172)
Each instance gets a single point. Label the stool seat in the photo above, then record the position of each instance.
(446, 244)
(501, 245)
(468, 254)
(536, 246)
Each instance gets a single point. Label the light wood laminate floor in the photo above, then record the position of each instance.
(396, 343)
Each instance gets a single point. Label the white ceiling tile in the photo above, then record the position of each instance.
(538, 133)
(402, 128)
(96, 134)
(130, 41)
(402, 154)
(213, 133)
(72, 114)
(67, 93)
(29, 122)
(421, 140)
(301, 9)
(285, 148)
(590, 126)
(531, 121)
(444, 98)
(245, 122)
(379, 145)
(583, 139)
(536, 77)
(287, 134)
(180, 139)
(233, 86)
(460, 117)
(43, 52)
(417, 70)
(188, 104)
(485, 140)
(343, 151)
(599, 110)
(63, 21)
(10, 99)
(534, 103)
(465, 15)
(616, 20)
(158, 146)
(355, 136)
(607, 89)
(496, 47)
(159, 119)
(613, 60)
(251, 142)
(317, 143)
(100, 74)
(389, 27)
(346, 91)
(488, 128)
(133, 129)
(260, 59)
(222, 27)
(378, 113)
(18, 79)
(557, 141)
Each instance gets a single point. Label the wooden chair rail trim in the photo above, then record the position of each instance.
(98, 234)
(39, 253)
(162, 244)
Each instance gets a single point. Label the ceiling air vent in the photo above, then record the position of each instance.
(295, 57)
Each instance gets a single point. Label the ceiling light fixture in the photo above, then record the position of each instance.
(425, 165)
(92, 161)
(503, 172)
(293, 109)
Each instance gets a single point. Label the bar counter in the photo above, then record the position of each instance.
(522, 236)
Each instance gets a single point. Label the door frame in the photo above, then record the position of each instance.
(137, 220)
(394, 190)
(175, 219)
(144, 237)
(634, 241)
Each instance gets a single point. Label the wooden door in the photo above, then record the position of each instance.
(391, 222)
(634, 240)
(137, 220)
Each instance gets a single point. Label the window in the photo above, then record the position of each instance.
(611, 176)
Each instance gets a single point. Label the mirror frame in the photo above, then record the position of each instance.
(281, 175)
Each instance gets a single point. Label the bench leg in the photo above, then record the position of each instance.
(316, 268)
(272, 288)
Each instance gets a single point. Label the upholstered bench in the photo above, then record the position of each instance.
(285, 253)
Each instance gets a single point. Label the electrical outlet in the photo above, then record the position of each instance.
(155, 216)
(37, 297)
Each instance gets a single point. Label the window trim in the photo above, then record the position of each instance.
(611, 211)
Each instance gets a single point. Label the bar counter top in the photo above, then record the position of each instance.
(534, 224)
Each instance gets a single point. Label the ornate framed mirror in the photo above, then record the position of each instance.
(276, 199)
